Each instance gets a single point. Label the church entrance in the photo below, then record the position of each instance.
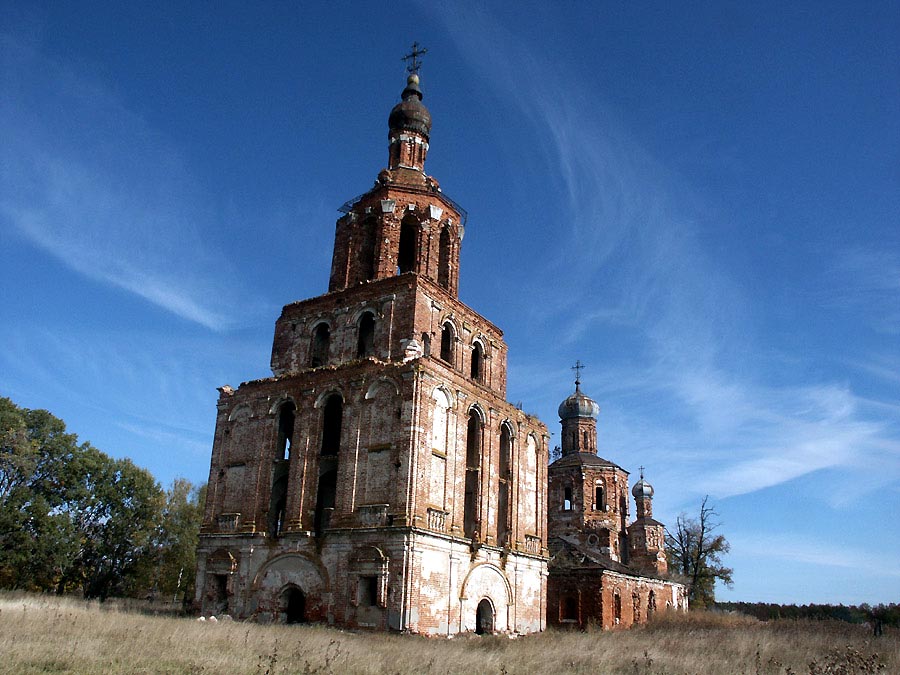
(294, 603)
(484, 618)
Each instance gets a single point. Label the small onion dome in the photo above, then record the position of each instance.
(642, 489)
(410, 114)
(578, 405)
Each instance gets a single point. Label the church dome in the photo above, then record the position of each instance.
(642, 489)
(578, 405)
(410, 114)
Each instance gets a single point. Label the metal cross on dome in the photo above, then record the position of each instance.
(578, 367)
(413, 61)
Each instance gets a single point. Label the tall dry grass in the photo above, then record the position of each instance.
(40, 634)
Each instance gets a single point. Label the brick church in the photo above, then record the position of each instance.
(379, 478)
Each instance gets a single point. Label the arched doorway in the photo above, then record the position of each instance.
(294, 603)
(484, 617)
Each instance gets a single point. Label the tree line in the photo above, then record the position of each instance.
(75, 520)
(887, 615)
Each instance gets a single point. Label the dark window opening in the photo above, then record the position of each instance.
(285, 431)
(503, 497)
(567, 499)
(278, 499)
(575, 441)
(444, 258)
(365, 344)
(599, 498)
(321, 343)
(367, 249)
(617, 607)
(426, 344)
(635, 607)
(325, 500)
(484, 618)
(473, 473)
(294, 603)
(651, 604)
(406, 256)
(587, 446)
(447, 340)
(331, 425)
(368, 591)
(477, 367)
(623, 549)
(569, 608)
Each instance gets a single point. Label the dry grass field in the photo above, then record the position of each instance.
(46, 634)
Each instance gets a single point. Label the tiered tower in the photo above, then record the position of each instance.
(379, 478)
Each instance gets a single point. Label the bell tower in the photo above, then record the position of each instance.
(379, 478)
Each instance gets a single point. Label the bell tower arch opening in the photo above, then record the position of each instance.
(409, 244)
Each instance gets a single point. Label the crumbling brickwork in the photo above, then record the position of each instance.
(379, 478)
(604, 570)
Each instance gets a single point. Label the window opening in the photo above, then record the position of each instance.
(477, 367)
(651, 604)
(280, 470)
(320, 346)
(325, 500)
(367, 250)
(426, 344)
(473, 472)
(599, 500)
(503, 496)
(447, 339)
(444, 258)
(570, 608)
(406, 256)
(617, 607)
(365, 344)
(567, 499)
(368, 591)
(331, 425)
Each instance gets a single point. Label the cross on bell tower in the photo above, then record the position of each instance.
(413, 63)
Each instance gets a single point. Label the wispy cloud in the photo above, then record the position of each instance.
(90, 182)
(703, 399)
(867, 281)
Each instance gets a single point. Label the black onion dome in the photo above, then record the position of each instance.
(410, 114)
(578, 405)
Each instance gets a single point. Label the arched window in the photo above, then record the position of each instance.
(599, 498)
(567, 499)
(444, 258)
(504, 484)
(281, 469)
(448, 338)
(587, 445)
(477, 367)
(473, 474)
(635, 607)
(365, 343)
(367, 246)
(426, 344)
(331, 425)
(617, 607)
(321, 343)
(326, 496)
(651, 604)
(409, 235)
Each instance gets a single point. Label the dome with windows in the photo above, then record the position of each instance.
(578, 405)
(410, 114)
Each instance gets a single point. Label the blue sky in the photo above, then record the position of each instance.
(700, 203)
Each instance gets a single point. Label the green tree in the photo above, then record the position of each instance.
(71, 517)
(695, 555)
(37, 540)
(175, 542)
